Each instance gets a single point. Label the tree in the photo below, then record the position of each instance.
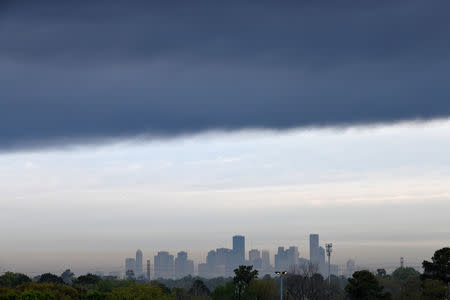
(411, 289)
(439, 267)
(433, 290)
(303, 282)
(51, 278)
(381, 273)
(404, 273)
(265, 289)
(137, 291)
(364, 286)
(88, 279)
(161, 286)
(10, 279)
(199, 288)
(224, 292)
(36, 295)
(243, 276)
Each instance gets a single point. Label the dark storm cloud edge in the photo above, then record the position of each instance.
(106, 70)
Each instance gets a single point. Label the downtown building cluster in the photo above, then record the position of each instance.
(221, 262)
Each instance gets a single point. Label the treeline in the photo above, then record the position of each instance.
(301, 282)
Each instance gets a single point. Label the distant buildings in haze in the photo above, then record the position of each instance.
(221, 262)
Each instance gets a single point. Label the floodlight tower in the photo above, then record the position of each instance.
(281, 275)
(329, 247)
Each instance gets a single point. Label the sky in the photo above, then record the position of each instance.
(159, 126)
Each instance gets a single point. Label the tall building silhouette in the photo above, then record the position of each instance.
(130, 266)
(239, 248)
(285, 259)
(148, 270)
(163, 264)
(138, 263)
(254, 258)
(314, 249)
(183, 266)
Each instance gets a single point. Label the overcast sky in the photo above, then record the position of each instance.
(137, 124)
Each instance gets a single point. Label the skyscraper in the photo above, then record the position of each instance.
(239, 248)
(130, 266)
(265, 257)
(138, 263)
(314, 249)
(292, 255)
(148, 270)
(321, 261)
(254, 258)
(183, 266)
(163, 263)
(285, 259)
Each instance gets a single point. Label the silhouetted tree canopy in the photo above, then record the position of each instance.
(87, 279)
(364, 286)
(439, 267)
(242, 278)
(199, 289)
(51, 278)
(10, 279)
(404, 273)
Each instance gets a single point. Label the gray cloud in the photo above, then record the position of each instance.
(75, 72)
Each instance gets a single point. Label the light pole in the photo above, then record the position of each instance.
(281, 275)
(329, 250)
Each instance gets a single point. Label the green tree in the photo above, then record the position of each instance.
(10, 279)
(364, 286)
(199, 288)
(50, 278)
(404, 273)
(411, 289)
(242, 278)
(224, 292)
(59, 291)
(265, 289)
(161, 286)
(439, 267)
(381, 273)
(36, 295)
(88, 279)
(137, 291)
(433, 290)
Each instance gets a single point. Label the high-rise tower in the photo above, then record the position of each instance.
(239, 248)
(138, 263)
(314, 249)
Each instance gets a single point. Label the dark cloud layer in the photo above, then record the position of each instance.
(83, 71)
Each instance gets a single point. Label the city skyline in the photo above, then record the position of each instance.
(173, 128)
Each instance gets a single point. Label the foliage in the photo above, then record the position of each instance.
(381, 273)
(224, 292)
(410, 290)
(242, 278)
(433, 290)
(364, 286)
(50, 278)
(88, 279)
(264, 289)
(10, 279)
(138, 292)
(439, 267)
(199, 288)
(59, 291)
(404, 273)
